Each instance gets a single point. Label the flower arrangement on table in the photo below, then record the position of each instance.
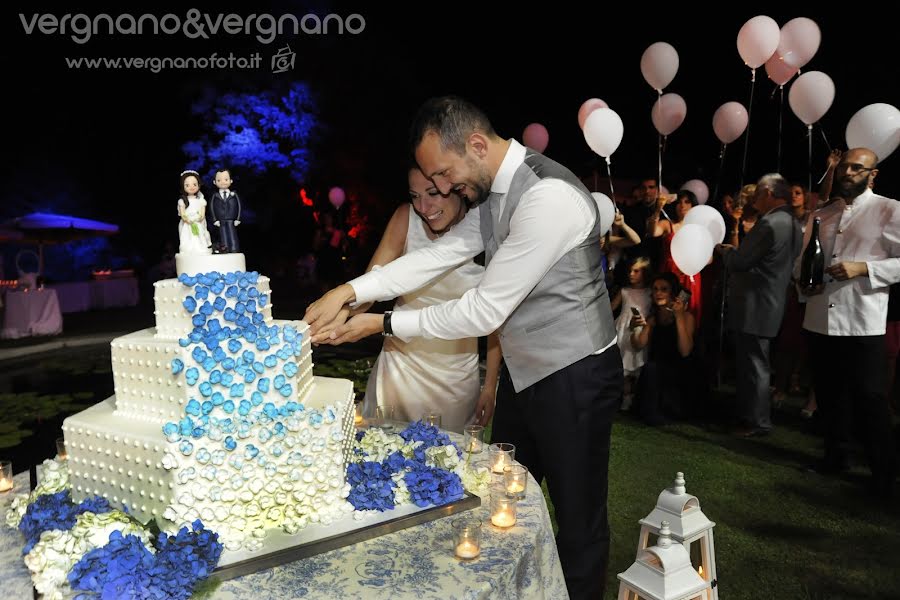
(90, 550)
(420, 465)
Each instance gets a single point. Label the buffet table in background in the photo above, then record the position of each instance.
(416, 563)
(80, 296)
(31, 312)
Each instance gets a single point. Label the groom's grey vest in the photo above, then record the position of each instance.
(567, 315)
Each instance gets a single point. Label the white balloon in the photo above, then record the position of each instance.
(603, 131)
(692, 247)
(811, 96)
(607, 211)
(876, 127)
(709, 218)
(659, 64)
(729, 121)
(757, 40)
(698, 188)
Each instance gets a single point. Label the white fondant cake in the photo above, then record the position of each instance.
(217, 416)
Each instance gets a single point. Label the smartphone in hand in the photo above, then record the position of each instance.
(635, 311)
(685, 297)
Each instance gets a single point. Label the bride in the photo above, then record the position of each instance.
(193, 235)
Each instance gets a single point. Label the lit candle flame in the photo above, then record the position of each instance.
(700, 570)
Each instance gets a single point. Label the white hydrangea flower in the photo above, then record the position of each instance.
(17, 510)
(442, 457)
(54, 477)
(476, 479)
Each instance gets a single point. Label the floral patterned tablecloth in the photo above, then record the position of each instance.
(416, 563)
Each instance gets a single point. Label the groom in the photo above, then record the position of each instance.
(543, 289)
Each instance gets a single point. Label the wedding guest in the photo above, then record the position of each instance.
(759, 272)
(845, 317)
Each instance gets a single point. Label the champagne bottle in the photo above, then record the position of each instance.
(812, 265)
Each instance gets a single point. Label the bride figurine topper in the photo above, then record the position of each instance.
(193, 235)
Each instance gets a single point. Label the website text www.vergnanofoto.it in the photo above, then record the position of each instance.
(156, 64)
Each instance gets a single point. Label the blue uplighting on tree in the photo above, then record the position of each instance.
(256, 132)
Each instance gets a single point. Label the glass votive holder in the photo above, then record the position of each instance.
(473, 442)
(6, 476)
(432, 418)
(515, 480)
(358, 419)
(61, 453)
(503, 508)
(466, 537)
(501, 455)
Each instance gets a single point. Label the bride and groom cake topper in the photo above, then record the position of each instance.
(225, 210)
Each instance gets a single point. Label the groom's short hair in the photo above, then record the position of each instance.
(453, 119)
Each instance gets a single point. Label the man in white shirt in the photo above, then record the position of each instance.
(860, 236)
(543, 289)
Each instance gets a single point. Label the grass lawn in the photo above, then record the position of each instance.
(780, 532)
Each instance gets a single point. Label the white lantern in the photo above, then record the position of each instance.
(663, 572)
(688, 525)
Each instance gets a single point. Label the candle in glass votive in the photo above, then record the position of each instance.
(433, 419)
(6, 476)
(515, 478)
(466, 537)
(503, 508)
(61, 449)
(501, 456)
(474, 439)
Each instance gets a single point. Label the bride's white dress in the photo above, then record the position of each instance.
(189, 241)
(428, 375)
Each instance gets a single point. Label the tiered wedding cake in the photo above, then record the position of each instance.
(216, 414)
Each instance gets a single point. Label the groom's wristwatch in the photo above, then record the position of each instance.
(388, 332)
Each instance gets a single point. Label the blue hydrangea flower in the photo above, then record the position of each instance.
(190, 304)
(177, 366)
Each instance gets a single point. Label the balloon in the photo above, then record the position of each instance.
(709, 218)
(659, 63)
(800, 39)
(607, 211)
(536, 137)
(668, 113)
(811, 96)
(336, 196)
(757, 40)
(663, 190)
(876, 127)
(588, 107)
(692, 247)
(603, 131)
(779, 71)
(730, 121)
(698, 188)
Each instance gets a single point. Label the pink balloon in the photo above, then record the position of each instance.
(698, 188)
(668, 113)
(336, 196)
(799, 42)
(730, 121)
(779, 71)
(811, 96)
(536, 137)
(757, 40)
(876, 127)
(588, 107)
(659, 64)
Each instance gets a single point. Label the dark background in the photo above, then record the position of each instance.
(106, 144)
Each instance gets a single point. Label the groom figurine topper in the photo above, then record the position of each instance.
(226, 212)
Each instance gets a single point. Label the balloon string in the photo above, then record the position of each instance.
(825, 139)
(809, 136)
(749, 122)
(659, 144)
(780, 126)
(719, 175)
(612, 192)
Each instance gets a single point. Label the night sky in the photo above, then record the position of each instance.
(106, 144)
